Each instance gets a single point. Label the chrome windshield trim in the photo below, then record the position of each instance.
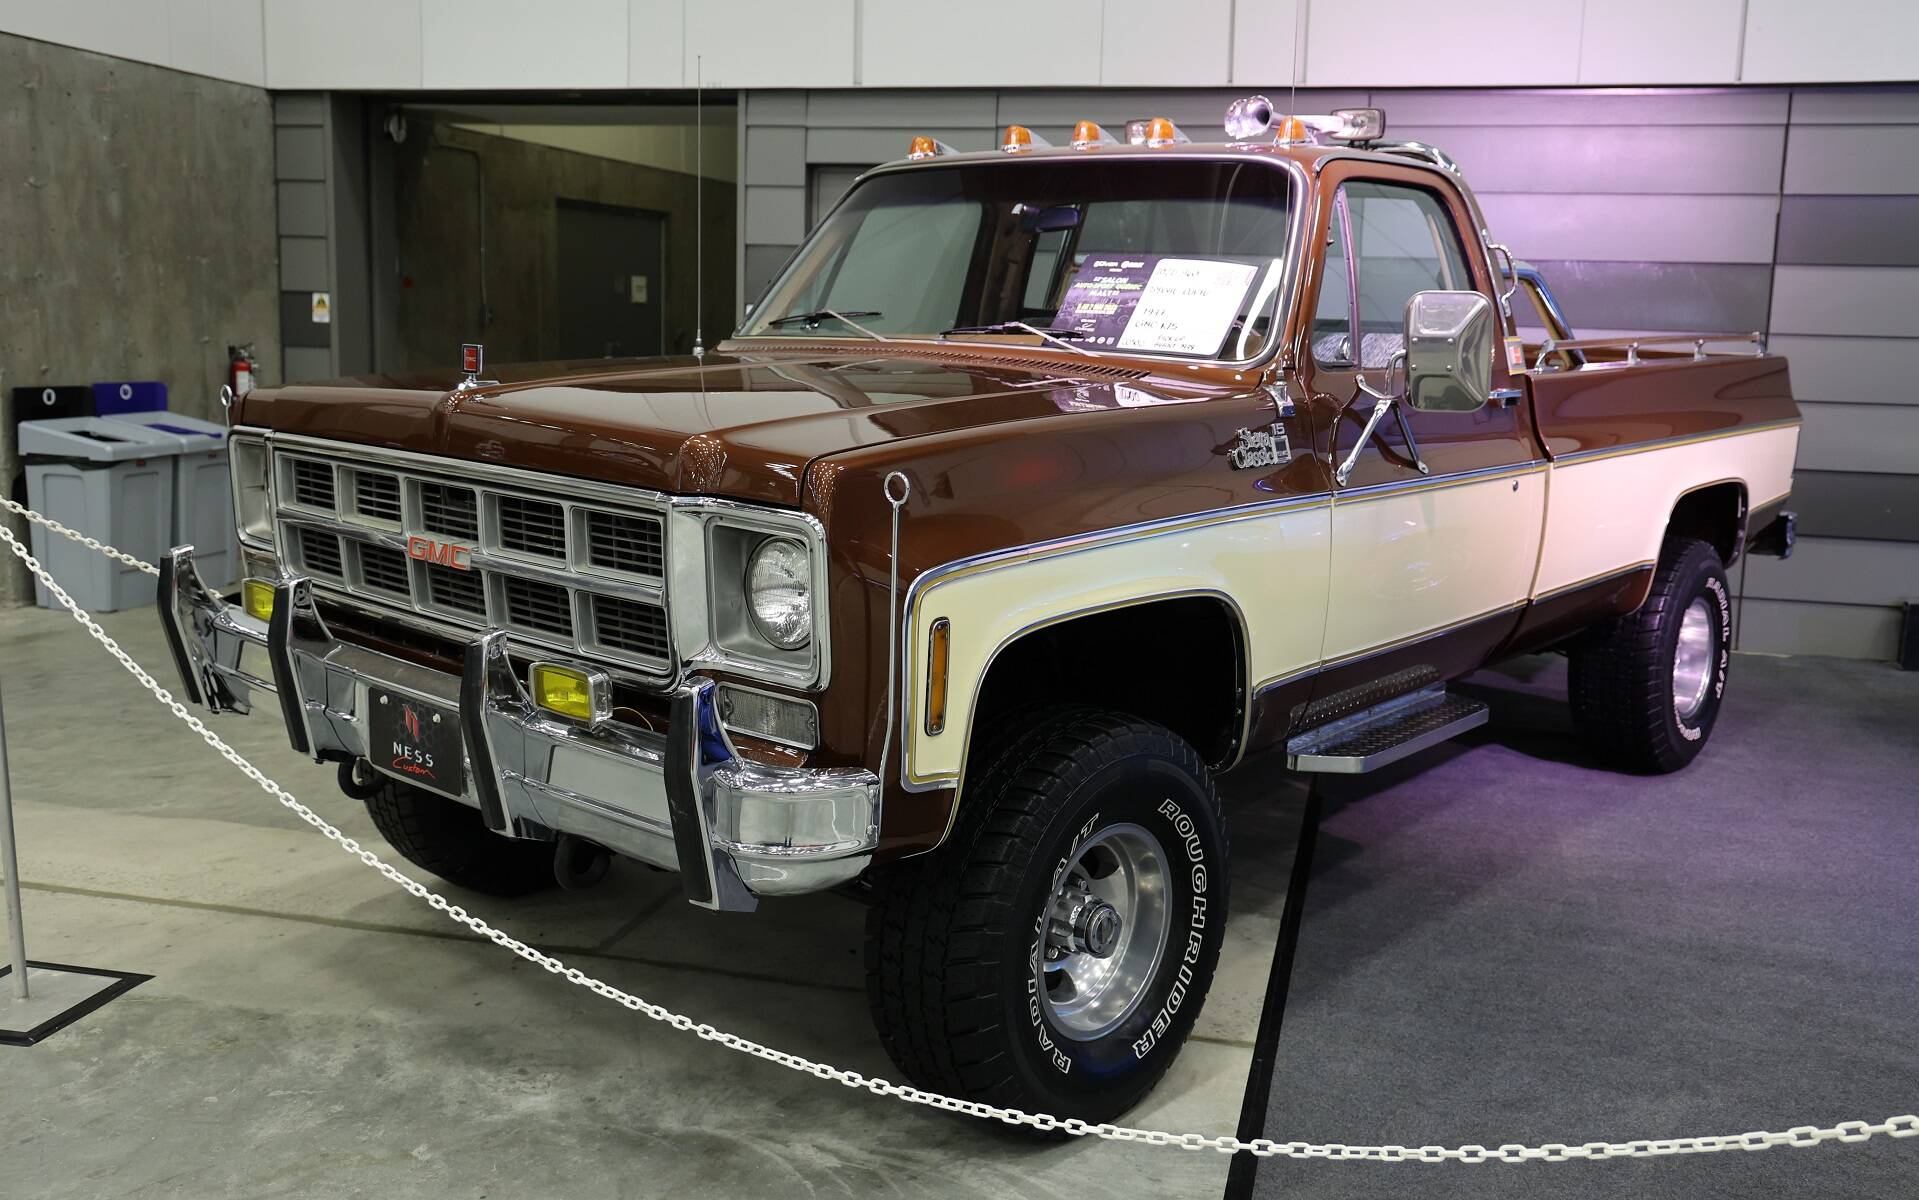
(1284, 295)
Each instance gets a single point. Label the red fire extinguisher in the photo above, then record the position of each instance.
(240, 369)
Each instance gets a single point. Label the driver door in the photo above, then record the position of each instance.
(1430, 568)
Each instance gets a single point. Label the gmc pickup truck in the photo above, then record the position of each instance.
(1041, 487)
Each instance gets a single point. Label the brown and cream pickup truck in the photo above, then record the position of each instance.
(1043, 485)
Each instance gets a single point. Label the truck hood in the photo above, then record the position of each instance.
(745, 427)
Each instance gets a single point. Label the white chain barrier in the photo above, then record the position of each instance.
(1800, 1136)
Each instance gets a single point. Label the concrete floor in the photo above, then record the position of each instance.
(311, 1030)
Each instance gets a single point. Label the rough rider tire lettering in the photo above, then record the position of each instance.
(952, 935)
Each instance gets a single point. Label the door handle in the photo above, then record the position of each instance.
(1509, 397)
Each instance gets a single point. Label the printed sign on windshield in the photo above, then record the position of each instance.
(1154, 302)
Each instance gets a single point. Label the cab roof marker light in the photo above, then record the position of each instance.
(1162, 132)
(1136, 132)
(1088, 135)
(1019, 137)
(926, 147)
(1295, 131)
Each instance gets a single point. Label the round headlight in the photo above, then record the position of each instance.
(779, 593)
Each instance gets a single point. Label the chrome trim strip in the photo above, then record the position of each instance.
(1372, 491)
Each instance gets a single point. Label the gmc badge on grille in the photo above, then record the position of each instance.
(446, 554)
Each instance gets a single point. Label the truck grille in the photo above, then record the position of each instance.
(525, 554)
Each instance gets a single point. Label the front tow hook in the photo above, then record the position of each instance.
(579, 864)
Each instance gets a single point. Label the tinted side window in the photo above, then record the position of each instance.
(1404, 242)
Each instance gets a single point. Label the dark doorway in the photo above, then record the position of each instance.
(612, 281)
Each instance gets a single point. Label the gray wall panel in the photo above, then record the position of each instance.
(299, 152)
(1687, 297)
(1687, 229)
(1584, 111)
(302, 208)
(901, 109)
(303, 264)
(1856, 106)
(867, 146)
(775, 155)
(1860, 437)
(306, 362)
(1795, 627)
(1730, 159)
(1854, 504)
(1860, 370)
(1838, 571)
(1866, 231)
(775, 215)
(1866, 161)
(774, 108)
(1857, 301)
(299, 108)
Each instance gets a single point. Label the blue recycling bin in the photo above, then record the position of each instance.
(134, 395)
(202, 491)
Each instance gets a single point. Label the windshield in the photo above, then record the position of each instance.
(1177, 257)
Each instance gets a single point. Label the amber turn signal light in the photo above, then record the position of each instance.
(938, 654)
(1018, 138)
(1088, 134)
(926, 147)
(256, 596)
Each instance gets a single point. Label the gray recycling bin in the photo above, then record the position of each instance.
(202, 497)
(107, 479)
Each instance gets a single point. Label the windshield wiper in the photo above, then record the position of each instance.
(1058, 337)
(812, 320)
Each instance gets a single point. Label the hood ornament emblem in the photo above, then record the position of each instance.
(1262, 448)
(472, 361)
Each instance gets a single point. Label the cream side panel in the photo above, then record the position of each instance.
(1272, 567)
(1608, 514)
(1411, 562)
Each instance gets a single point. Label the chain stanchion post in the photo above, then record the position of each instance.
(10, 865)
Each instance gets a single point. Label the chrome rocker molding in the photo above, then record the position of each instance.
(684, 800)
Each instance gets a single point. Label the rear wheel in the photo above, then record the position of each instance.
(1646, 688)
(1054, 953)
(449, 839)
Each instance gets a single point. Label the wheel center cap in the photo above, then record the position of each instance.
(1100, 929)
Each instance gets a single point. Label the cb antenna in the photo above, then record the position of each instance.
(699, 205)
(1299, 39)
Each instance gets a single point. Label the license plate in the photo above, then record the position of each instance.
(417, 741)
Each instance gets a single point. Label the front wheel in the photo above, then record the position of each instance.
(1053, 955)
(1645, 688)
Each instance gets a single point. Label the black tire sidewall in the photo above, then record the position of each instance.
(1699, 576)
(1108, 1075)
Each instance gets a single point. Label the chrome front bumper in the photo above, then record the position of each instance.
(684, 799)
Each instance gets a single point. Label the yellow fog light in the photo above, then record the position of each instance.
(256, 596)
(571, 692)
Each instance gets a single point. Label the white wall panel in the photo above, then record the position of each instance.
(135, 29)
(343, 44)
(771, 43)
(1881, 438)
(511, 44)
(1139, 46)
(1658, 41)
(1860, 370)
(1418, 43)
(1833, 41)
(655, 38)
(220, 38)
(1264, 34)
(988, 43)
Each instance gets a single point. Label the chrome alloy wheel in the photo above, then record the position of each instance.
(1692, 659)
(1105, 930)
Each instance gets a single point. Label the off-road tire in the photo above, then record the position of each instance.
(1621, 677)
(952, 934)
(449, 839)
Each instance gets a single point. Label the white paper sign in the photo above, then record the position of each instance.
(1187, 306)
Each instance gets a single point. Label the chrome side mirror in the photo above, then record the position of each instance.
(1449, 351)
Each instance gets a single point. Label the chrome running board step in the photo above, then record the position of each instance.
(1385, 733)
